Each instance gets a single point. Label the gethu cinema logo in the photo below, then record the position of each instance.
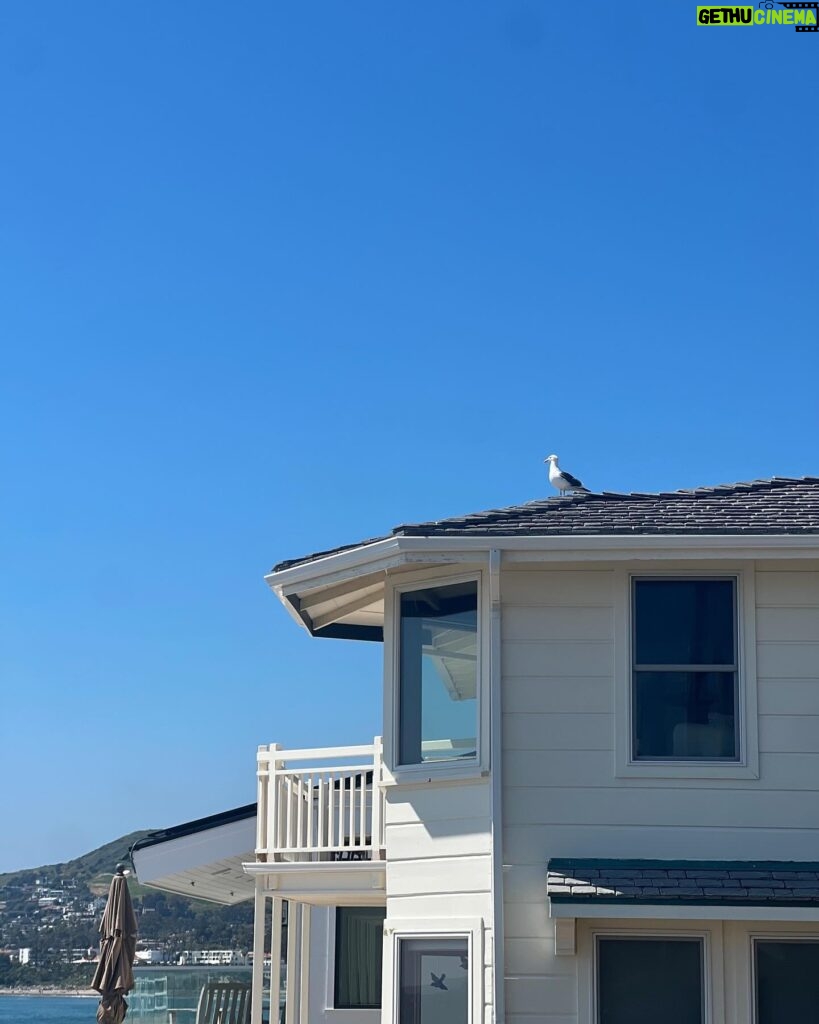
(803, 16)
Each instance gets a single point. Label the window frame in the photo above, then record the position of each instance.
(740, 955)
(467, 768)
(333, 961)
(755, 939)
(397, 930)
(692, 667)
(710, 932)
(746, 719)
(630, 935)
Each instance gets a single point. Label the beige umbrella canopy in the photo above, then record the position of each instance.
(115, 974)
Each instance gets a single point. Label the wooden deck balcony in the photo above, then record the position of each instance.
(320, 823)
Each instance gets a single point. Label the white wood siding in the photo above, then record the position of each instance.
(439, 859)
(561, 796)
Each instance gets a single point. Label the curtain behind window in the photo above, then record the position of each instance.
(359, 939)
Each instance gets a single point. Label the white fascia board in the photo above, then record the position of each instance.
(399, 550)
(294, 578)
(351, 883)
(316, 868)
(682, 912)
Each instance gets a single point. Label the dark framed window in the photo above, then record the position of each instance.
(359, 945)
(684, 672)
(786, 975)
(434, 981)
(650, 981)
(438, 674)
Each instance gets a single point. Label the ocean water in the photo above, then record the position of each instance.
(157, 990)
(48, 1010)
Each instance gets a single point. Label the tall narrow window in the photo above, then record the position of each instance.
(433, 981)
(684, 670)
(787, 981)
(359, 943)
(649, 981)
(438, 674)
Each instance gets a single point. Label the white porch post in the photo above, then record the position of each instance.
(292, 962)
(304, 965)
(275, 961)
(376, 822)
(259, 911)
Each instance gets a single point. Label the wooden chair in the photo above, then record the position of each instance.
(222, 1002)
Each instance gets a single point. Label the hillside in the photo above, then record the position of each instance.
(55, 909)
(81, 869)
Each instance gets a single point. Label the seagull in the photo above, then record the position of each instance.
(562, 480)
(438, 982)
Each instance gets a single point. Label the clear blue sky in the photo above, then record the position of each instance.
(279, 276)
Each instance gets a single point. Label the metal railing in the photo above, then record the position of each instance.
(322, 804)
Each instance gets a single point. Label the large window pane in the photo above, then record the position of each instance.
(787, 982)
(434, 981)
(649, 981)
(684, 622)
(685, 714)
(438, 683)
(688, 709)
(359, 944)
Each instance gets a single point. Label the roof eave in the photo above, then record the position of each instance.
(201, 859)
(370, 557)
(292, 583)
(356, 559)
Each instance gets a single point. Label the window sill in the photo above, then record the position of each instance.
(443, 774)
(686, 770)
(375, 1011)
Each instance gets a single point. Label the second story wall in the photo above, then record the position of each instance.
(562, 665)
(562, 687)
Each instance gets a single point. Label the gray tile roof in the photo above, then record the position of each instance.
(754, 883)
(780, 505)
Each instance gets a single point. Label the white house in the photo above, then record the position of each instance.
(597, 799)
(211, 958)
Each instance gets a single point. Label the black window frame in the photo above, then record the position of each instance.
(735, 668)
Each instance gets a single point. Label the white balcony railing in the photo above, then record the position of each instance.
(325, 804)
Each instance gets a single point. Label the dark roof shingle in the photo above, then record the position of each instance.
(755, 883)
(780, 505)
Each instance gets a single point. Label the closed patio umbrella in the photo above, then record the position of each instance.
(115, 975)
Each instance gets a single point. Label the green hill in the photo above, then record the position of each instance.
(55, 910)
(93, 865)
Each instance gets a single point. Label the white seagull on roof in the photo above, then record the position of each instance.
(562, 480)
